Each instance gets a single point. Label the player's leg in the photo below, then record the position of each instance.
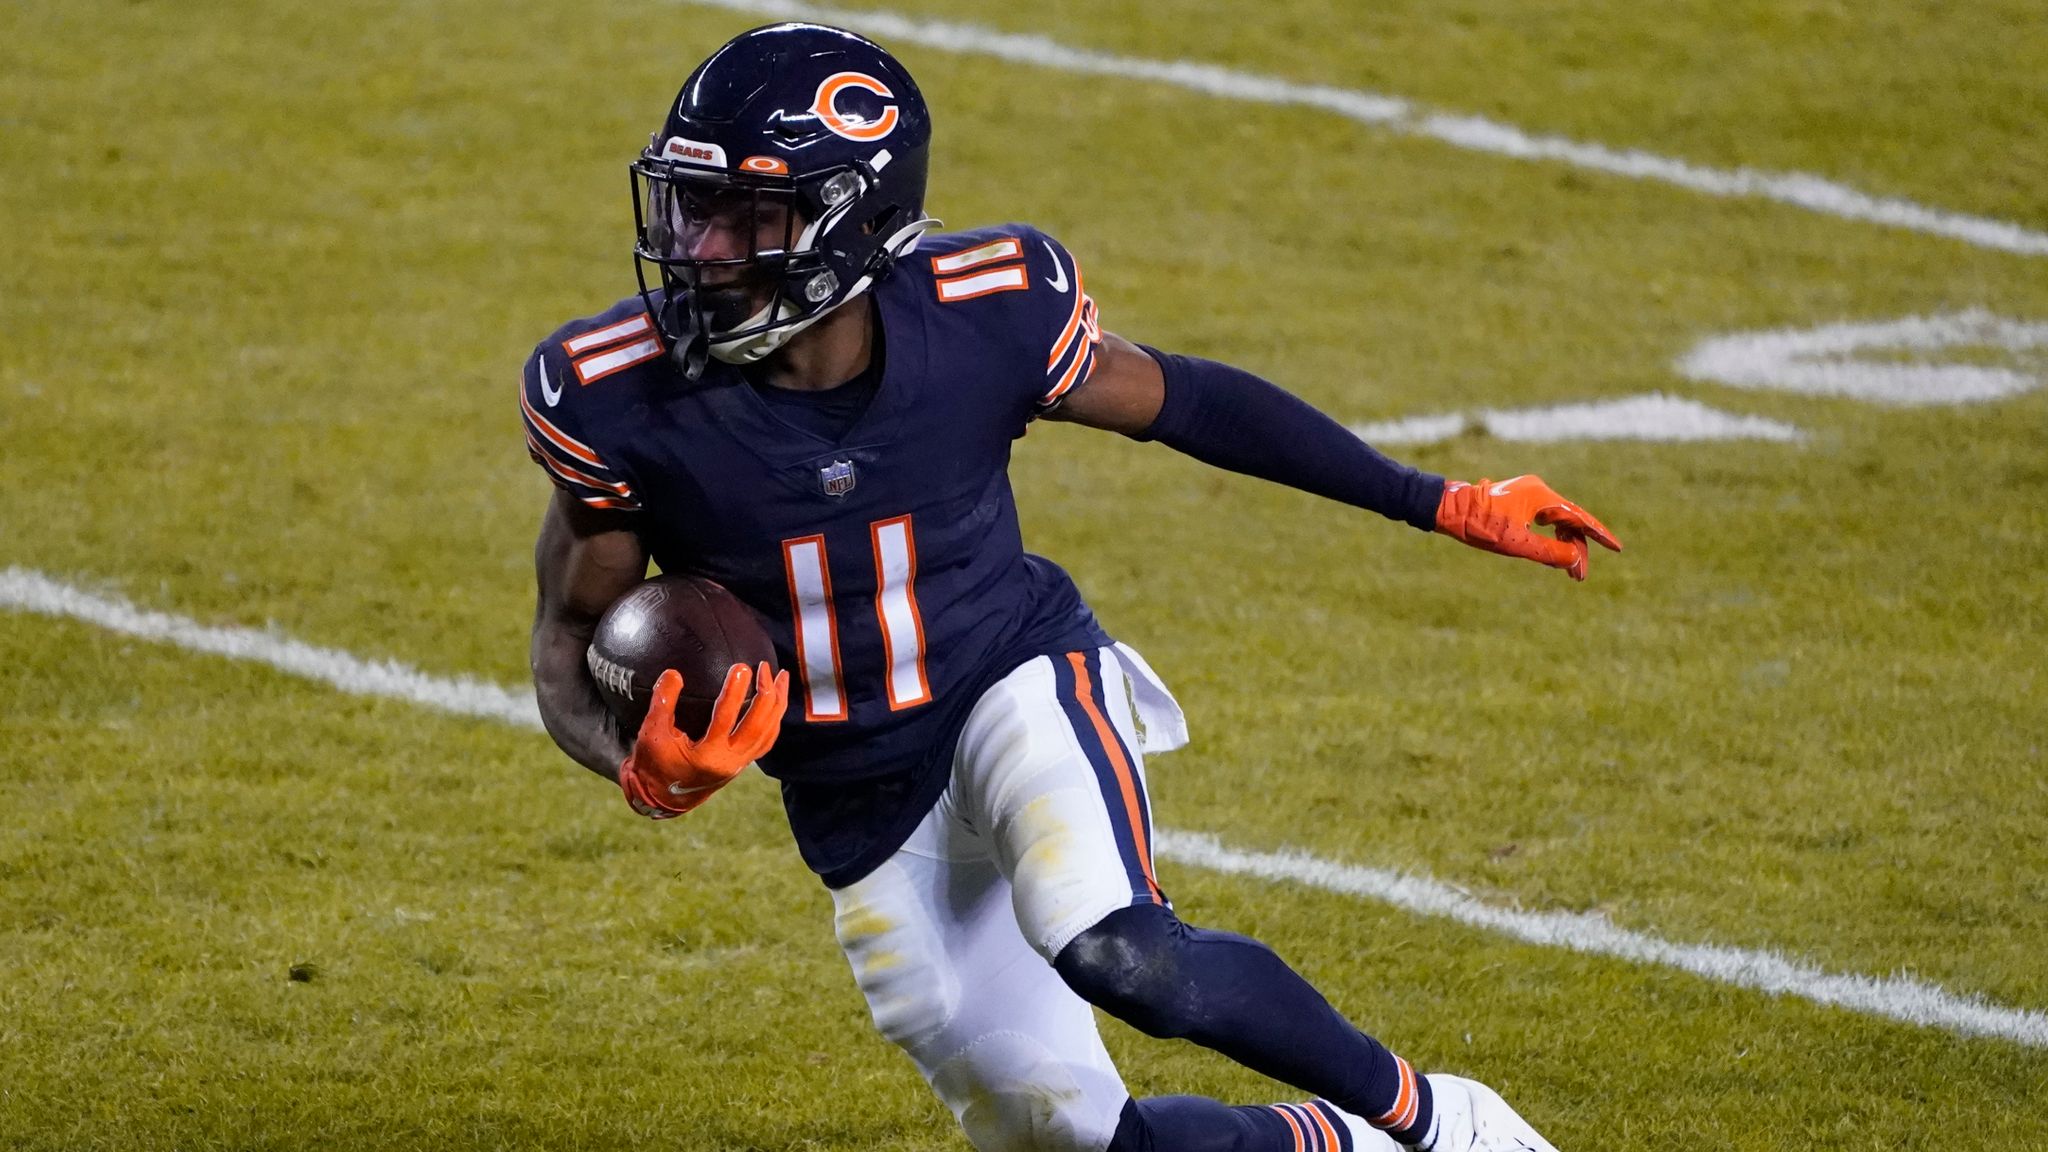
(1004, 1044)
(1232, 994)
(1065, 807)
(1020, 779)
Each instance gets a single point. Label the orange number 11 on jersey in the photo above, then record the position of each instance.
(817, 626)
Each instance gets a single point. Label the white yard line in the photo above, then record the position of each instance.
(32, 592)
(1836, 360)
(1475, 133)
(1891, 997)
(1652, 417)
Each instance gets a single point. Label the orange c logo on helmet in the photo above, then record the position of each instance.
(854, 127)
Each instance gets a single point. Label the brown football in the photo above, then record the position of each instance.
(682, 622)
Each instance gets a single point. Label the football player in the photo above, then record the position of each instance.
(811, 401)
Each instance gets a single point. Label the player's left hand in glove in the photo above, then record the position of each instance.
(669, 774)
(1497, 517)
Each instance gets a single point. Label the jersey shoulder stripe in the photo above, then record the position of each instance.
(553, 406)
(571, 465)
(1051, 313)
(1072, 357)
(569, 475)
(546, 430)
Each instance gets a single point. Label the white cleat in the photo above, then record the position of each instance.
(1470, 1117)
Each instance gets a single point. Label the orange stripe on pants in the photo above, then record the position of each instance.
(1084, 691)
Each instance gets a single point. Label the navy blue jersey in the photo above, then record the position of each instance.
(887, 564)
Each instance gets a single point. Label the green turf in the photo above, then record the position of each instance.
(268, 274)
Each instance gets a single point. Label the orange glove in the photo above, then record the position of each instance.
(669, 774)
(1496, 517)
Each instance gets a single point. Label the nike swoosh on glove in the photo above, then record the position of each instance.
(669, 774)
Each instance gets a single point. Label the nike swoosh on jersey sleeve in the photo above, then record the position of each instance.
(572, 465)
(1058, 279)
(1072, 359)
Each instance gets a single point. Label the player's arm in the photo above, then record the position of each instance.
(584, 559)
(1234, 420)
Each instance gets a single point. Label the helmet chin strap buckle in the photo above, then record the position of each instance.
(692, 349)
(900, 243)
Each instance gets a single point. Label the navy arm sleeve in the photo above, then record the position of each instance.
(1234, 420)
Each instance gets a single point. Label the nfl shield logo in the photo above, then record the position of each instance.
(837, 477)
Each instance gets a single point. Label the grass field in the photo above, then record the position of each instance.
(267, 272)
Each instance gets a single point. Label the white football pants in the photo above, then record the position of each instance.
(1043, 831)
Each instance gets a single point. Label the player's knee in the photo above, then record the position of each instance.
(1132, 964)
(1012, 1094)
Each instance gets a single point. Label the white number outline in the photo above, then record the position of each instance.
(896, 611)
(807, 568)
(819, 641)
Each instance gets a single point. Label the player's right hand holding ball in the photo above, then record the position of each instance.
(669, 774)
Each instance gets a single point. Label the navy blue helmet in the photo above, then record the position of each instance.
(787, 180)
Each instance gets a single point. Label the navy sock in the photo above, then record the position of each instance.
(1232, 994)
(1199, 1124)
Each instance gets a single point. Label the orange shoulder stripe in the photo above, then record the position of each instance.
(560, 439)
(573, 475)
(1076, 372)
